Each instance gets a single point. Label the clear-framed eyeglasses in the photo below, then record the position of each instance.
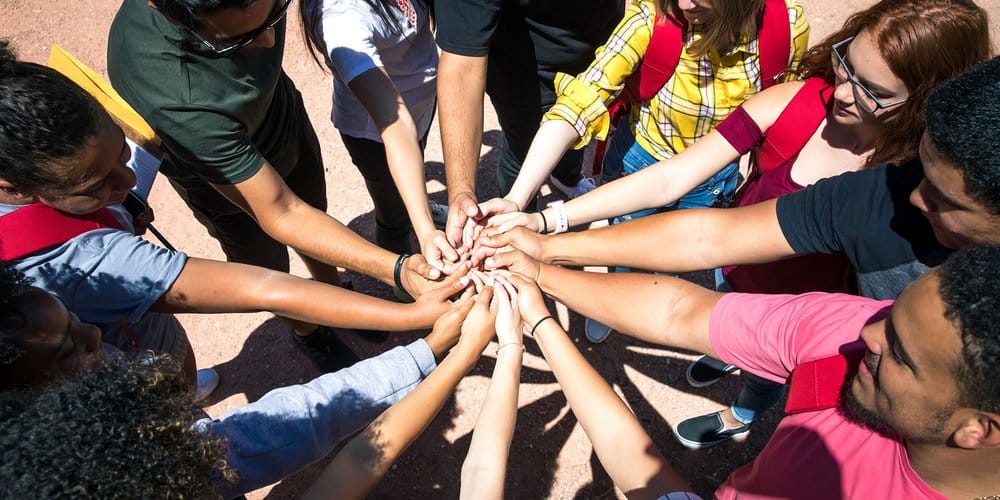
(865, 98)
(236, 43)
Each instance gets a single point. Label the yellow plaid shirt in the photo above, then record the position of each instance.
(700, 94)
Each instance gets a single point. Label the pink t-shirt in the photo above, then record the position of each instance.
(814, 454)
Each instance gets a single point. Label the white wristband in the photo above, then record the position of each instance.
(562, 218)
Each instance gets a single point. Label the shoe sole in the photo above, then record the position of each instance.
(698, 445)
(699, 384)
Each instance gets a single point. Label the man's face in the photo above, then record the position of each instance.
(958, 219)
(248, 27)
(54, 341)
(906, 384)
(96, 176)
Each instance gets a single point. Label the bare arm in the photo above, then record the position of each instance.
(207, 286)
(461, 84)
(622, 445)
(366, 458)
(381, 99)
(553, 139)
(485, 466)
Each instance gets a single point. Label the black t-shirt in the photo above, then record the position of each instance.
(527, 41)
(866, 215)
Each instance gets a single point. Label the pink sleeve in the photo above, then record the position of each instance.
(741, 131)
(769, 335)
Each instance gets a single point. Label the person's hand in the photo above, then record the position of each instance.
(518, 238)
(438, 252)
(141, 221)
(461, 208)
(530, 301)
(448, 326)
(515, 261)
(509, 314)
(506, 222)
(497, 206)
(431, 305)
(418, 277)
(478, 327)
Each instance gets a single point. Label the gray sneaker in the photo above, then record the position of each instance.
(596, 331)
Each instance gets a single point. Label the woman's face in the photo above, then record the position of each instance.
(695, 11)
(96, 176)
(867, 91)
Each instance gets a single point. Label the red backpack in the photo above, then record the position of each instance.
(38, 226)
(817, 385)
(664, 52)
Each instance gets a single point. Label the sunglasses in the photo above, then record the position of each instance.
(862, 94)
(237, 43)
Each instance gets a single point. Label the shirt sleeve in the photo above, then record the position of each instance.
(800, 37)
(349, 38)
(582, 100)
(466, 27)
(769, 335)
(209, 144)
(106, 275)
(294, 426)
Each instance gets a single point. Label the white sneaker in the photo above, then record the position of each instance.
(208, 380)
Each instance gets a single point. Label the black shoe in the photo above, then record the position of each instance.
(707, 370)
(325, 350)
(706, 430)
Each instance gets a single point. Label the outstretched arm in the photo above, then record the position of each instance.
(363, 461)
(622, 445)
(208, 286)
(381, 99)
(485, 465)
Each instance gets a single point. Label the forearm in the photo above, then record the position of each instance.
(461, 89)
(485, 466)
(206, 286)
(678, 241)
(406, 164)
(320, 236)
(621, 444)
(551, 142)
(364, 460)
(658, 309)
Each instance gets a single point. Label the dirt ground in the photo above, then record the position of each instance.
(550, 456)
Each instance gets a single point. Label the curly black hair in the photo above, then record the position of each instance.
(122, 430)
(44, 117)
(963, 117)
(13, 286)
(970, 289)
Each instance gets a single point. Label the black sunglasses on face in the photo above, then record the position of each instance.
(247, 38)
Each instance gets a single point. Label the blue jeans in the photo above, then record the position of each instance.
(625, 156)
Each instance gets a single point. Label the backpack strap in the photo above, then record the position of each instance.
(38, 226)
(774, 43)
(817, 385)
(795, 125)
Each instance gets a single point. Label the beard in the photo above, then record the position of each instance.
(853, 410)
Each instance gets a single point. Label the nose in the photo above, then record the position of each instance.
(844, 92)
(686, 4)
(123, 179)
(89, 344)
(265, 40)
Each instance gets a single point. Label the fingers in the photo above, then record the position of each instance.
(451, 286)
(419, 265)
(485, 297)
(460, 209)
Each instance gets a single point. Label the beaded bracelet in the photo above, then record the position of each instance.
(532, 334)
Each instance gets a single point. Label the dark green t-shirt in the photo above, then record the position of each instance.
(218, 117)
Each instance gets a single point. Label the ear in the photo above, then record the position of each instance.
(13, 196)
(980, 430)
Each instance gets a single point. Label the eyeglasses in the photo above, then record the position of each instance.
(865, 98)
(248, 37)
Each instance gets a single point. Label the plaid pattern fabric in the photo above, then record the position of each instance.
(700, 94)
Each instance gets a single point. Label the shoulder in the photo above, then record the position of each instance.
(766, 106)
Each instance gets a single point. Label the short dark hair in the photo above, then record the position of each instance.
(44, 117)
(963, 117)
(122, 429)
(970, 289)
(13, 286)
(187, 12)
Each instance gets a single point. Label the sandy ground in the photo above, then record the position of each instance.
(550, 456)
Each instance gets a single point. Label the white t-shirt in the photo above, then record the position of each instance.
(355, 39)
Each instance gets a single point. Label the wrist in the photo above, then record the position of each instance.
(458, 193)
